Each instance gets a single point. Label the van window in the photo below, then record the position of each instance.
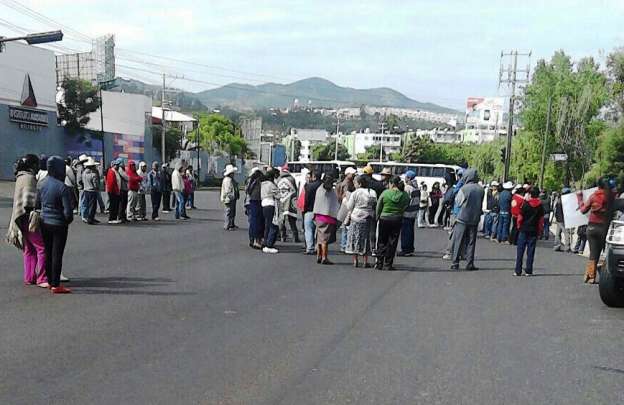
(438, 172)
(424, 171)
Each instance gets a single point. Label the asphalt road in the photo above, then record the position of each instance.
(184, 313)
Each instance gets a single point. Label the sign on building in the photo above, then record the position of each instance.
(484, 112)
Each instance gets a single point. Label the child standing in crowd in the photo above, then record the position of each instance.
(581, 240)
(530, 224)
(24, 229)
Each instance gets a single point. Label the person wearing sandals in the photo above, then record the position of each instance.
(55, 200)
(24, 232)
(325, 210)
(361, 212)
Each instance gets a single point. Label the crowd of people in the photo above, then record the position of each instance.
(373, 214)
(50, 191)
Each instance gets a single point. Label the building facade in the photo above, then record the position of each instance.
(357, 143)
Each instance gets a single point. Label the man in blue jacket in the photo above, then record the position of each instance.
(469, 200)
(504, 215)
(55, 200)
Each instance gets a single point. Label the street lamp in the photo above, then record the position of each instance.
(34, 39)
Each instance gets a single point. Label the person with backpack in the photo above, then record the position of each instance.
(530, 223)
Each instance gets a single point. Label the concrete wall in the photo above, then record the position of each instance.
(16, 142)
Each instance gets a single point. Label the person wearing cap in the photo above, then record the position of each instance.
(470, 202)
(504, 215)
(143, 189)
(79, 169)
(91, 186)
(287, 187)
(410, 214)
(134, 184)
(491, 210)
(253, 207)
(113, 189)
(563, 236)
(229, 197)
(155, 187)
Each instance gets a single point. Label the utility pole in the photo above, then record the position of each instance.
(381, 140)
(164, 126)
(543, 166)
(337, 131)
(512, 80)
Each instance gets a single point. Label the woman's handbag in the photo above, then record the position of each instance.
(34, 221)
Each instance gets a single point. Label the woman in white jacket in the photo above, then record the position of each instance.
(269, 193)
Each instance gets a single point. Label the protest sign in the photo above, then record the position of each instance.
(572, 216)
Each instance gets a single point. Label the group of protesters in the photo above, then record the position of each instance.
(50, 191)
(376, 213)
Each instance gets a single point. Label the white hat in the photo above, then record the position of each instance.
(350, 170)
(253, 170)
(83, 158)
(229, 169)
(90, 162)
(508, 185)
(494, 184)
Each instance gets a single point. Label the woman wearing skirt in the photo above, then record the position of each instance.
(361, 206)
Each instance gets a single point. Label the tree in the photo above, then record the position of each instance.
(217, 133)
(80, 98)
(326, 151)
(371, 153)
(609, 156)
(615, 66)
(172, 141)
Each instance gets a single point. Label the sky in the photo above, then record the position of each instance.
(437, 51)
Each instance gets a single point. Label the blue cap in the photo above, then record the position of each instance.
(410, 174)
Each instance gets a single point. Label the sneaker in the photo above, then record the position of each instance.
(454, 266)
(447, 256)
(269, 250)
(528, 274)
(60, 290)
(43, 285)
(63, 278)
(166, 211)
(516, 274)
(157, 219)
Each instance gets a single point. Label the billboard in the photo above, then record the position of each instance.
(129, 147)
(484, 112)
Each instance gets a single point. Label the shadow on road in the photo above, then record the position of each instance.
(122, 286)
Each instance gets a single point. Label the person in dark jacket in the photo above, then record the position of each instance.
(530, 224)
(253, 208)
(469, 199)
(308, 214)
(166, 188)
(547, 207)
(504, 214)
(155, 185)
(55, 200)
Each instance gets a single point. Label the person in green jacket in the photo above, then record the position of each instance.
(390, 207)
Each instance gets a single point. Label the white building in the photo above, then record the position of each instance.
(311, 135)
(440, 135)
(357, 143)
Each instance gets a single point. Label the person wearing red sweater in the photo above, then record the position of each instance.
(517, 200)
(134, 182)
(530, 222)
(113, 189)
(599, 219)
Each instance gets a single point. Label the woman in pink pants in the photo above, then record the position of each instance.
(24, 230)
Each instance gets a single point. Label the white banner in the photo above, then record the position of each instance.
(572, 216)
